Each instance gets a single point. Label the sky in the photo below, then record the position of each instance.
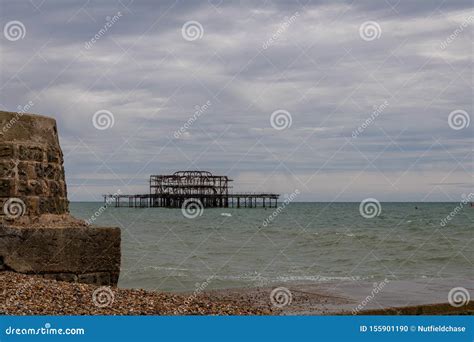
(339, 100)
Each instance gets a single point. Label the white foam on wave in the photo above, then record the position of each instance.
(288, 278)
(156, 268)
(317, 278)
(346, 234)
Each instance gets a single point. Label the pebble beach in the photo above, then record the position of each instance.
(34, 295)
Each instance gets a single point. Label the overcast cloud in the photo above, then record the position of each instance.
(310, 58)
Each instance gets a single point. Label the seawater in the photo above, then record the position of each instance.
(304, 243)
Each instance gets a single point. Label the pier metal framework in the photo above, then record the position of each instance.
(171, 191)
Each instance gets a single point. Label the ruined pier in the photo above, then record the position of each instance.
(172, 191)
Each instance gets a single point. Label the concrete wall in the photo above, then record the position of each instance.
(87, 254)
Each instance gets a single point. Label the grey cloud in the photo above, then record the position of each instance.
(318, 68)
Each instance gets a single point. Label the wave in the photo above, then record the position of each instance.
(288, 278)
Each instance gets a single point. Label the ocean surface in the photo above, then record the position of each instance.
(304, 243)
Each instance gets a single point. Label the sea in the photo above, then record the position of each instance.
(297, 243)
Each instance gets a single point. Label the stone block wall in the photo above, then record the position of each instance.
(37, 234)
(31, 164)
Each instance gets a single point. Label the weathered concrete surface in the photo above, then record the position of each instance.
(89, 254)
(37, 234)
